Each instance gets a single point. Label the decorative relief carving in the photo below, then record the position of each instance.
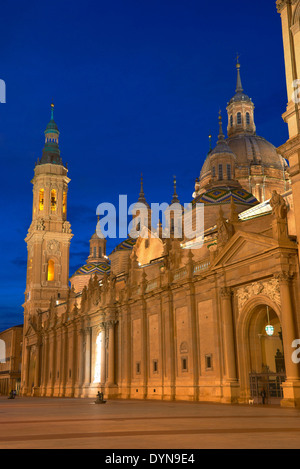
(269, 288)
(53, 247)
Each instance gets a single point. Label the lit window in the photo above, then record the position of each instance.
(41, 200)
(64, 203)
(53, 200)
(50, 273)
(239, 118)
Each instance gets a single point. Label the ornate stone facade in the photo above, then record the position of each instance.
(171, 319)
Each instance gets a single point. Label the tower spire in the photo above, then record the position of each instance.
(175, 199)
(239, 86)
(221, 137)
(142, 198)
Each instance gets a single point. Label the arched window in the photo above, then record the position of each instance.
(64, 203)
(53, 200)
(231, 121)
(214, 172)
(51, 271)
(100, 251)
(95, 252)
(41, 200)
(247, 118)
(239, 118)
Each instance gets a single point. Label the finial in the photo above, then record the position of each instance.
(239, 87)
(142, 198)
(221, 134)
(52, 111)
(175, 199)
(210, 142)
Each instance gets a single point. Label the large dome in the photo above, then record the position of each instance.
(252, 149)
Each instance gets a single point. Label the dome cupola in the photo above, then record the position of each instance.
(240, 110)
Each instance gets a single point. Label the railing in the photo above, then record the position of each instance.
(201, 266)
(180, 274)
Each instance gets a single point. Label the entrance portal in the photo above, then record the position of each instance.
(267, 368)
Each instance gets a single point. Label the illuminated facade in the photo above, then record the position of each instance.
(162, 319)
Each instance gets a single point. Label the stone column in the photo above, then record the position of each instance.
(26, 369)
(111, 353)
(231, 392)
(103, 356)
(291, 387)
(80, 362)
(87, 375)
(45, 364)
(37, 370)
(63, 361)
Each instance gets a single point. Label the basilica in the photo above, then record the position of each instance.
(166, 317)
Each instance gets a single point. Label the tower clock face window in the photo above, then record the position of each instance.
(41, 200)
(53, 200)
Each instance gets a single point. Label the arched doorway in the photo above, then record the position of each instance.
(260, 352)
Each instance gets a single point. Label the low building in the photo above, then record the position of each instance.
(10, 359)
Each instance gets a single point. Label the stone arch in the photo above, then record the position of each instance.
(248, 321)
(2, 351)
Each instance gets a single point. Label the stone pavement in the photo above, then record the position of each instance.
(79, 423)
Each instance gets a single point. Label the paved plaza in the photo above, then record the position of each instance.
(79, 423)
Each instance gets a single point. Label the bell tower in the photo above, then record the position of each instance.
(49, 235)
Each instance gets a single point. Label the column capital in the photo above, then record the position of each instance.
(284, 278)
(226, 292)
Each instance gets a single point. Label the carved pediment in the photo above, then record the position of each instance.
(244, 246)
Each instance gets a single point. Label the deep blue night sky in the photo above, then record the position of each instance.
(137, 87)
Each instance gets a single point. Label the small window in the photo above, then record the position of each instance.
(155, 366)
(231, 121)
(95, 252)
(214, 172)
(220, 172)
(239, 118)
(229, 171)
(100, 251)
(138, 368)
(184, 364)
(248, 118)
(208, 362)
